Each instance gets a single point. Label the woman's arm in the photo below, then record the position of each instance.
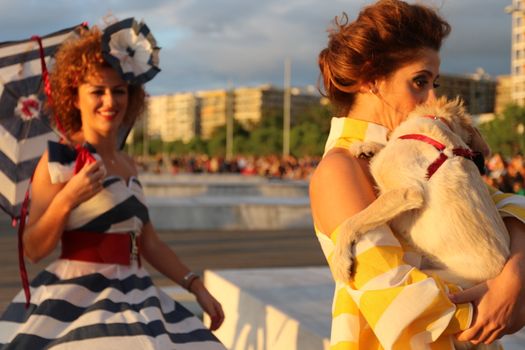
(51, 204)
(500, 302)
(162, 258)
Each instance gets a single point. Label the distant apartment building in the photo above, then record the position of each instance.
(503, 93)
(303, 100)
(252, 104)
(214, 106)
(173, 117)
(155, 112)
(477, 90)
(182, 116)
(517, 9)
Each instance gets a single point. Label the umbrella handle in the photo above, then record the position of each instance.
(21, 262)
(45, 79)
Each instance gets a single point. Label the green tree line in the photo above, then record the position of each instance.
(506, 132)
(308, 134)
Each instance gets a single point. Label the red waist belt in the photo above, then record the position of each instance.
(108, 248)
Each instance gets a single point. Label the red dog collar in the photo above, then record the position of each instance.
(432, 168)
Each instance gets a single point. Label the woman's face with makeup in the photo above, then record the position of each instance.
(409, 86)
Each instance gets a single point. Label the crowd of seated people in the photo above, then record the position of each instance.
(508, 175)
(270, 166)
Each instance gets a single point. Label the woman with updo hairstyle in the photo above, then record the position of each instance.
(87, 200)
(382, 39)
(375, 70)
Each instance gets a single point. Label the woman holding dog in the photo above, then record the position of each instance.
(86, 196)
(375, 70)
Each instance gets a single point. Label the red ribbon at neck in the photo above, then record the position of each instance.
(84, 157)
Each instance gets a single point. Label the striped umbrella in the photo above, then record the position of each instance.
(24, 124)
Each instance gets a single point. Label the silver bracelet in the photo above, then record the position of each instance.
(188, 279)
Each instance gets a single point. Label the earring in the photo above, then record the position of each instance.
(373, 90)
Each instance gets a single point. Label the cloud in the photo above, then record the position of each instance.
(247, 44)
(207, 44)
(481, 37)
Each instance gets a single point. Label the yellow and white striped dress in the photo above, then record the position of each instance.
(390, 304)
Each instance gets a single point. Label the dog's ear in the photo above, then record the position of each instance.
(477, 143)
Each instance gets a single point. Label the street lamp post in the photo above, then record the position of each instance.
(286, 108)
(230, 95)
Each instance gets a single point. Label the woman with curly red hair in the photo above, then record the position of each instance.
(87, 197)
(65, 81)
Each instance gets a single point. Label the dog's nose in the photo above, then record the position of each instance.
(479, 160)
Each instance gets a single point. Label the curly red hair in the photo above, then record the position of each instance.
(75, 60)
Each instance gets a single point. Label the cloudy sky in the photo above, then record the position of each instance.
(210, 44)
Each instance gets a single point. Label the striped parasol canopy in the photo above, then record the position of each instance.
(24, 124)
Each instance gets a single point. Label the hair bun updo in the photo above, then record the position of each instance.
(385, 36)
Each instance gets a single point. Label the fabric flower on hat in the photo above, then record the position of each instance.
(131, 49)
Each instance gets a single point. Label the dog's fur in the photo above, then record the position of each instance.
(449, 219)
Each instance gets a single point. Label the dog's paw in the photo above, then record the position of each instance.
(413, 197)
(342, 261)
(365, 150)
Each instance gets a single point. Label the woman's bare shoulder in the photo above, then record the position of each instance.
(41, 172)
(42, 189)
(339, 188)
(338, 168)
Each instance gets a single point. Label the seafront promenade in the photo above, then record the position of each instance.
(199, 249)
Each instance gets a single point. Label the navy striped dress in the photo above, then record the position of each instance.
(84, 305)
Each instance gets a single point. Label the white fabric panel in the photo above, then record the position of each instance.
(21, 150)
(32, 45)
(14, 193)
(345, 327)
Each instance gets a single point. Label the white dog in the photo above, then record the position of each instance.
(433, 197)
